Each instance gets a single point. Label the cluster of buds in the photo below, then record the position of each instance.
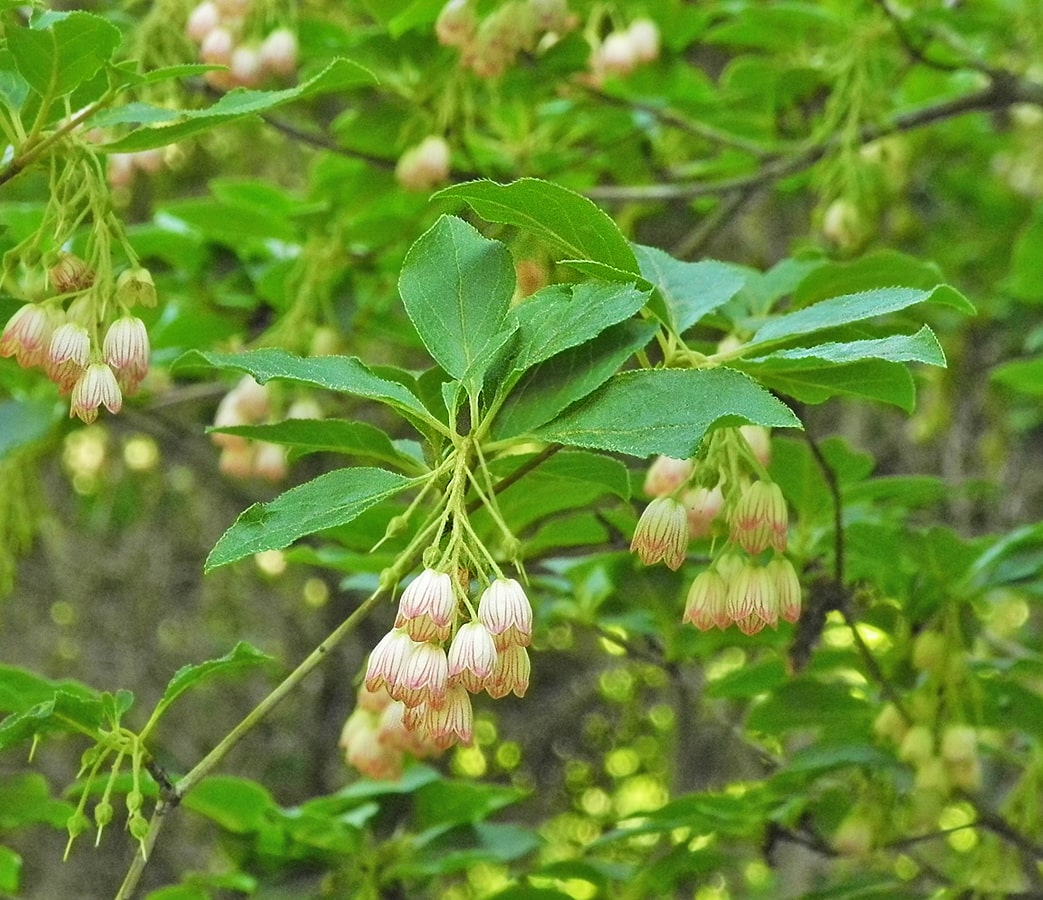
(490, 46)
(250, 403)
(437, 655)
(219, 27)
(751, 515)
(66, 344)
(621, 52)
(375, 739)
(425, 166)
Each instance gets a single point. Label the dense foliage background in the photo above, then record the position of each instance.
(267, 166)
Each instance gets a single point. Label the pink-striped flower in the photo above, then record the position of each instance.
(67, 355)
(472, 656)
(666, 475)
(505, 611)
(760, 519)
(662, 533)
(451, 722)
(126, 350)
(511, 673)
(96, 387)
(787, 588)
(425, 678)
(706, 605)
(387, 662)
(27, 335)
(428, 606)
(701, 507)
(751, 601)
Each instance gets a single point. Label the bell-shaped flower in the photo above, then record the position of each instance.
(662, 533)
(96, 387)
(706, 606)
(68, 353)
(126, 350)
(472, 656)
(510, 674)
(760, 520)
(787, 588)
(428, 606)
(27, 335)
(505, 611)
(387, 662)
(425, 679)
(666, 475)
(751, 599)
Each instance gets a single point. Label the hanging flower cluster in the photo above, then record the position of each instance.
(488, 47)
(728, 494)
(449, 641)
(92, 355)
(440, 651)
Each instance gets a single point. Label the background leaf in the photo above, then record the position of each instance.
(58, 52)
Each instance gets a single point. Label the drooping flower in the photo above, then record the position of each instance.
(706, 606)
(67, 355)
(427, 607)
(425, 679)
(387, 662)
(760, 519)
(505, 611)
(446, 724)
(96, 387)
(702, 505)
(787, 588)
(126, 350)
(27, 335)
(472, 656)
(751, 599)
(511, 673)
(662, 533)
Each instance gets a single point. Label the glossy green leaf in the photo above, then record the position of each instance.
(334, 373)
(850, 308)
(551, 386)
(879, 269)
(573, 225)
(242, 656)
(558, 317)
(873, 379)
(666, 411)
(457, 287)
(20, 689)
(10, 870)
(335, 498)
(340, 75)
(357, 439)
(690, 290)
(922, 347)
(60, 51)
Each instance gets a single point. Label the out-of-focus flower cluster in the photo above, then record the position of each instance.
(623, 50)
(250, 403)
(728, 496)
(490, 45)
(92, 355)
(222, 29)
(420, 676)
(425, 166)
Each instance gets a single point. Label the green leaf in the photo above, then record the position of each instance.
(335, 498)
(568, 221)
(59, 52)
(236, 804)
(20, 690)
(358, 439)
(666, 411)
(10, 870)
(921, 347)
(850, 308)
(440, 803)
(558, 317)
(24, 421)
(690, 290)
(339, 75)
(880, 269)
(65, 711)
(26, 799)
(1022, 375)
(242, 656)
(551, 386)
(457, 287)
(334, 373)
(874, 379)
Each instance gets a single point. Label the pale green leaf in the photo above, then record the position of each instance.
(922, 347)
(242, 656)
(60, 51)
(690, 290)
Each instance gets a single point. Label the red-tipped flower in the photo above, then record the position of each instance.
(96, 387)
(662, 533)
(126, 350)
(505, 611)
(472, 657)
(427, 607)
(760, 519)
(26, 335)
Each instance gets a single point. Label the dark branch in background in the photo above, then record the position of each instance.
(693, 243)
(1004, 90)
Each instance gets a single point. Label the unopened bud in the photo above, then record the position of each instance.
(70, 274)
